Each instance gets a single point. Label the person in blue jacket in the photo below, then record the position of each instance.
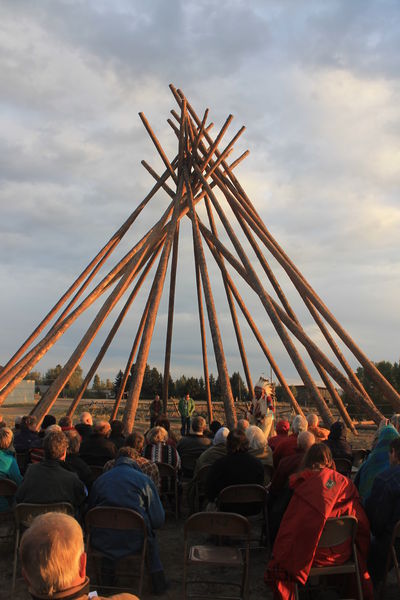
(383, 510)
(8, 465)
(127, 487)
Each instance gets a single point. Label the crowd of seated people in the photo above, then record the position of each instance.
(305, 490)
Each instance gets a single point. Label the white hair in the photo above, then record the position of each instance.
(256, 437)
(299, 424)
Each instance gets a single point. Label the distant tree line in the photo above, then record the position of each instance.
(391, 372)
(152, 384)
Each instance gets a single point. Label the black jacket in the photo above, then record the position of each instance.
(49, 481)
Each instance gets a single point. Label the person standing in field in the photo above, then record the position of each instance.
(155, 410)
(186, 408)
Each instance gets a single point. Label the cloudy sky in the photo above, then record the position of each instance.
(315, 83)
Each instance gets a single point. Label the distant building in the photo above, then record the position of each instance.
(23, 393)
(303, 395)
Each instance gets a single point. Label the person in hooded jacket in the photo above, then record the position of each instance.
(337, 441)
(319, 492)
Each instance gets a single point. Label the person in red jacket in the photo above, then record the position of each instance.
(319, 492)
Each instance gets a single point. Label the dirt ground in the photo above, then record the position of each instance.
(170, 536)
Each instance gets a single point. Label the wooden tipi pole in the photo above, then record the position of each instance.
(171, 304)
(230, 412)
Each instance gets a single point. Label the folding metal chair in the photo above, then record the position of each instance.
(24, 514)
(392, 560)
(249, 500)
(225, 525)
(169, 486)
(118, 519)
(335, 532)
(7, 490)
(199, 483)
(268, 474)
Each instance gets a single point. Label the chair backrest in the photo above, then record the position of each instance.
(245, 493)
(359, 456)
(268, 473)
(166, 470)
(337, 530)
(201, 475)
(25, 512)
(7, 487)
(115, 517)
(218, 523)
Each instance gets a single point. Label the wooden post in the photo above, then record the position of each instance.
(203, 338)
(171, 304)
(230, 412)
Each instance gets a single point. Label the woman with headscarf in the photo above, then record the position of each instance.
(377, 461)
(337, 442)
(319, 493)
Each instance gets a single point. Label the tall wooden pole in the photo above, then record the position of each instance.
(171, 304)
(203, 338)
(230, 412)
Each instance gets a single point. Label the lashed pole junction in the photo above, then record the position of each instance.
(231, 232)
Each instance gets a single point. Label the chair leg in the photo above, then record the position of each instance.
(358, 578)
(396, 565)
(14, 575)
(296, 591)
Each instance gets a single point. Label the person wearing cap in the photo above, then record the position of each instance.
(288, 447)
(282, 431)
